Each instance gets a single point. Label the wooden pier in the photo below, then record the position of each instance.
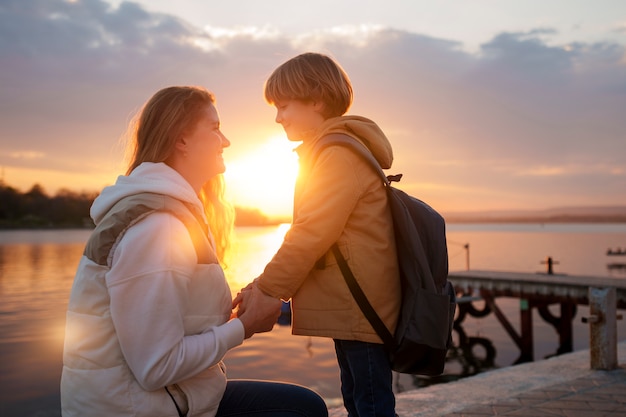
(603, 295)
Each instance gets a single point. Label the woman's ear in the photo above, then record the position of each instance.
(181, 145)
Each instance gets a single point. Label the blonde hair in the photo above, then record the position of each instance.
(165, 117)
(220, 215)
(311, 77)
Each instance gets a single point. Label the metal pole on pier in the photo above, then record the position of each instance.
(549, 262)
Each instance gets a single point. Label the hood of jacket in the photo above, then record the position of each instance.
(149, 177)
(360, 128)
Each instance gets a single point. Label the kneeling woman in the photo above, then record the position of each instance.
(150, 313)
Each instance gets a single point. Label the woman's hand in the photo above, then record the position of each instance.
(257, 311)
(239, 297)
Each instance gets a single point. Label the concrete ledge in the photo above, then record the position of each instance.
(441, 399)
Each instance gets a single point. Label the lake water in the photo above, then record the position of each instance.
(37, 269)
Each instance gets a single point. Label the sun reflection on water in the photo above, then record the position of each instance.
(253, 248)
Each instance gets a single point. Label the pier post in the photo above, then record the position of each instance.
(526, 329)
(602, 328)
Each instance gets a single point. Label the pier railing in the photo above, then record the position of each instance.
(603, 295)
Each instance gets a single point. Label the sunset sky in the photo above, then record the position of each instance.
(489, 104)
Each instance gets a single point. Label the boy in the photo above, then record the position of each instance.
(338, 198)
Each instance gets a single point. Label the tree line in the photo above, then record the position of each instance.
(35, 209)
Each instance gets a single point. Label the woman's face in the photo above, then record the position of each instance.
(204, 146)
(299, 119)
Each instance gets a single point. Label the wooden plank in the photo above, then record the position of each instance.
(554, 288)
(538, 278)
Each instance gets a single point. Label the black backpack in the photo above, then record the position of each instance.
(424, 332)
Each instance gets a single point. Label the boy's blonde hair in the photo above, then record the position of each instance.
(311, 77)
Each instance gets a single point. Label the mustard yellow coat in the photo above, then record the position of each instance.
(338, 199)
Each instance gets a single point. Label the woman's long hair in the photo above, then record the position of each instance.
(168, 115)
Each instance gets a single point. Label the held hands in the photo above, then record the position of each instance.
(257, 311)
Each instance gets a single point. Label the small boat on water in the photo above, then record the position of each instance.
(621, 266)
(616, 252)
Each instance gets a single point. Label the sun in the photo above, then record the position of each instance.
(264, 177)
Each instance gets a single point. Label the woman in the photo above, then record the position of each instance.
(150, 313)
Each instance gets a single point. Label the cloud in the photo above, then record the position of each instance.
(73, 73)
(621, 28)
(27, 155)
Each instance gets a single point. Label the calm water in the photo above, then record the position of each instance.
(37, 268)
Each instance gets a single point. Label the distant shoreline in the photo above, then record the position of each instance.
(549, 219)
(36, 210)
(449, 220)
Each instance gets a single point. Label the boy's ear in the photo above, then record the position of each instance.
(318, 106)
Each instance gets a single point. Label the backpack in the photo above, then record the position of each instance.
(424, 332)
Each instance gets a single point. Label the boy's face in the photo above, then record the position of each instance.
(299, 119)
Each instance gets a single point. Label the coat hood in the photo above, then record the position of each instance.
(149, 177)
(362, 129)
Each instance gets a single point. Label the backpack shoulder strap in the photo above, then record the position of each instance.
(340, 139)
(130, 210)
(361, 299)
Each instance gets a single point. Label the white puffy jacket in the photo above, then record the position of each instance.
(147, 311)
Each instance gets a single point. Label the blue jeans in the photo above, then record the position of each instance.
(265, 399)
(366, 381)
